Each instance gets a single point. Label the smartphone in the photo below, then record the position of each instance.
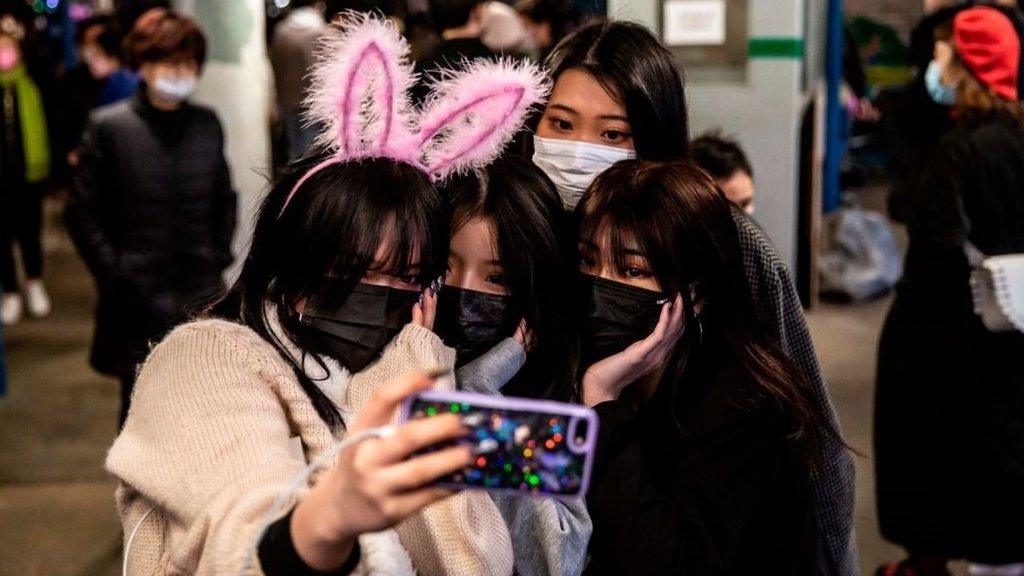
(524, 447)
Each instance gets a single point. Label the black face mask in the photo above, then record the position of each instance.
(616, 315)
(473, 322)
(356, 332)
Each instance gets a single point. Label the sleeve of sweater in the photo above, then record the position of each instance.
(489, 373)
(206, 444)
(463, 535)
(692, 522)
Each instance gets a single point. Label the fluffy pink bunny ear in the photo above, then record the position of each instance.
(360, 89)
(472, 114)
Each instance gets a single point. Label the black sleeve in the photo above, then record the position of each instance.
(83, 212)
(226, 207)
(690, 521)
(278, 556)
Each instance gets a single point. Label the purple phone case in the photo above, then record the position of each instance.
(573, 411)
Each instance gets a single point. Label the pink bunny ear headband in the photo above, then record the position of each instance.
(360, 93)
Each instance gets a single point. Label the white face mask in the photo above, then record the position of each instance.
(573, 166)
(175, 89)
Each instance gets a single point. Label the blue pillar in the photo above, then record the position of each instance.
(835, 139)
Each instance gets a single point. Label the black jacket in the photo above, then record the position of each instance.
(701, 481)
(949, 411)
(152, 212)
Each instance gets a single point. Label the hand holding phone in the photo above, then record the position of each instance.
(521, 446)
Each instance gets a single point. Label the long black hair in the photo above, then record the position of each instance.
(320, 245)
(682, 222)
(529, 226)
(640, 73)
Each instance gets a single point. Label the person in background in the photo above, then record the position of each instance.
(502, 31)
(921, 121)
(100, 79)
(460, 26)
(292, 55)
(949, 424)
(725, 160)
(24, 169)
(547, 21)
(152, 210)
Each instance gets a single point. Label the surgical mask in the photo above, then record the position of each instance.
(616, 316)
(573, 166)
(9, 58)
(473, 322)
(175, 89)
(356, 332)
(939, 92)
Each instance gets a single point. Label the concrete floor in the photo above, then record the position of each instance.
(56, 504)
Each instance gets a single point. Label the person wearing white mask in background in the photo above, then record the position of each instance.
(151, 209)
(618, 94)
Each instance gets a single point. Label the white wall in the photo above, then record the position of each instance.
(764, 112)
(236, 83)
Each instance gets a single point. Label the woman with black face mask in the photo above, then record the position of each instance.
(619, 94)
(506, 308)
(708, 431)
(315, 344)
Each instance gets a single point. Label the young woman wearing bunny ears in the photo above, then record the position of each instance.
(316, 341)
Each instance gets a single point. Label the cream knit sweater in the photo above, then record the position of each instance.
(208, 448)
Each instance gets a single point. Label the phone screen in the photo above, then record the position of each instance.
(524, 446)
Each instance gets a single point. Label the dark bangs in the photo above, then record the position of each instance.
(624, 204)
(362, 204)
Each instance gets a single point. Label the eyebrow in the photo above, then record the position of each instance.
(571, 110)
(564, 108)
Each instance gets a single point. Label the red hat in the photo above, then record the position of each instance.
(989, 46)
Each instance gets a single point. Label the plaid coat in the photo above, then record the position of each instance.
(779, 309)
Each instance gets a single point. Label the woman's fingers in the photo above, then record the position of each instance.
(677, 321)
(407, 504)
(429, 308)
(379, 410)
(417, 311)
(417, 435)
(422, 470)
(648, 345)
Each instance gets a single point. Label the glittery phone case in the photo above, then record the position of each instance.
(524, 447)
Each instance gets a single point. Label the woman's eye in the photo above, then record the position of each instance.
(586, 262)
(636, 273)
(496, 279)
(410, 279)
(561, 125)
(614, 136)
